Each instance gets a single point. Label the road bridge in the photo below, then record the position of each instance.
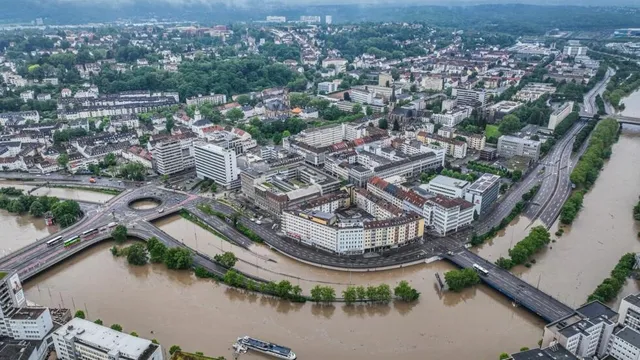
(520, 292)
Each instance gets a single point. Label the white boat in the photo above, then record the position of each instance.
(268, 348)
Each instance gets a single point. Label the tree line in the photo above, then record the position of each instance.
(588, 167)
(611, 286)
(65, 212)
(537, 239)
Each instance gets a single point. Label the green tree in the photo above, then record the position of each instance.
(119, 234)
(383, 123)
(116, 327)
(174, 349)
(36, 209)
(157, 250)
(134, 170)
(109, 160)
(509, 124)
(516, 175)
(405, 292)
(234, 115)
(155, 341)
(133, 333)
(357, 108)
(227, 259)
(137, 254)
(504, 356)
(63, 160)
(170, 124)
(524, 348)
(178, 258)
(350, 295)
(286, 134)
(243, 99)
(460, 279)
(98, 321)
(79, 314)
(361, 293)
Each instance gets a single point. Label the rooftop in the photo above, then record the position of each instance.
(28, 313)
(629, 335)
(551, 353)
(105, 338)
(484, 182)
(449, 181)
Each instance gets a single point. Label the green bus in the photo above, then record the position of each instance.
(72, 241)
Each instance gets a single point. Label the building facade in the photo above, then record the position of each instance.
(217, 163)
(509, 146)
(483, 193)
(167, 157)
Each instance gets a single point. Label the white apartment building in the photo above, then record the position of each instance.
(625, 345)
(322, 136)
(327, 87)
(30, 323)
(469, 97)
(630, 312)
(452, 147)
(328, 19)
(216, 163)
(277, 19)
(447, 186)
(361, 96)
(82, 339)
(339, 64)
(167, 157)
(483, 192)
(11, 299)
(575, 50)
(448, 215)
(474, 141)
(509, 146)
(560, 114)
(585, 332)
(215, 99)
(453, 117)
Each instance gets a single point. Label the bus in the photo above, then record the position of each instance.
(72, 241)
(54, 241)
(89, 232)
(480, 269)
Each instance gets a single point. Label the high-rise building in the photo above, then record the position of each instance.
(216, 163)
(328, 19)
(469, 97)
(167, 157)
(11, 299)
(560, 114)
(483, 192)
(276, 19)
(82, 339)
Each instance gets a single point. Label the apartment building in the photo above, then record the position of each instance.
(533, 91)
(560, 114)
(82, 339)
(327, 87)
(585, 332)
(339, 64)
(575, 50)
(361, 96)
(215, 99)
(469, 97)
(217, 163)
(322, 136)
(447, 186)
(452, 147)
(509, 146)
(483, 193)
(497, 111)
(167, 157)
(447, 215)
(474, 141)
(453, 117)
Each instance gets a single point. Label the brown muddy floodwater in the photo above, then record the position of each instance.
(144, 204)
(201, 315)
(19, 231)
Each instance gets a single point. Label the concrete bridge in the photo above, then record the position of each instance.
(520, 292)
